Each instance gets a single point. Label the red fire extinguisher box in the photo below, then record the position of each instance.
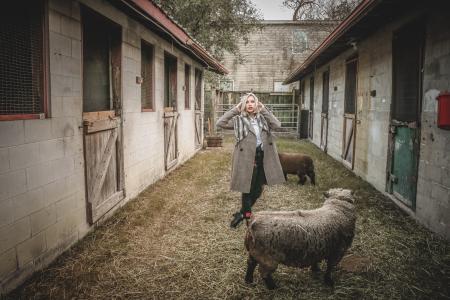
(443, 118)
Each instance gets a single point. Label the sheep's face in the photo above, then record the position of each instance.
(341, 194)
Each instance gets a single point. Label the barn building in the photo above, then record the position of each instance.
(372, 90)
(98, 100)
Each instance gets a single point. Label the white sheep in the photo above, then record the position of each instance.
(301, 238)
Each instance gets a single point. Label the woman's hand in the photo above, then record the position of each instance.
(238, 106)
(260, 105)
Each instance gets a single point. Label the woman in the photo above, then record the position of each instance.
(255, 157)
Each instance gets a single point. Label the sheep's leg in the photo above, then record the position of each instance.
(331, 263)
(251, 265)
(285, 176)
(315, 267)
(266, 274)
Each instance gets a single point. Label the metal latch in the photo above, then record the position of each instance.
(393, 178)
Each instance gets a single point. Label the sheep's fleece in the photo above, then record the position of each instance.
(303, 238)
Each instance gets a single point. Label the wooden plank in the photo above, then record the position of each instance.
(349, 139)
(102, 167)
(98, 115)
(102, 125)
(105, 206)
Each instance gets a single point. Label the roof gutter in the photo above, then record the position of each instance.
(154, 14)
(361, 10)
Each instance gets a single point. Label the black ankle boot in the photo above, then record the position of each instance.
(237, 219)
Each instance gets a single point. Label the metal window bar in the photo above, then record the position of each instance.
(21, 60)
(287, 114)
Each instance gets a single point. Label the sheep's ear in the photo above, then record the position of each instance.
(326, 194)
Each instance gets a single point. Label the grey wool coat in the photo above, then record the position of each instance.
(244, 153)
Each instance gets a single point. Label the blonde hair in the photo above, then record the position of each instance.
(244, 102)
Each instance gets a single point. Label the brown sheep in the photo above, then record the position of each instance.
(301, 238)
(298, 164)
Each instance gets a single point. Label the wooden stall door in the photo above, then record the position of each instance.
(324, 115)
(198, 109)
(170, 112)
(101, 114)
(349, 132)
(170, 142)
(406, 110)
(311, 108)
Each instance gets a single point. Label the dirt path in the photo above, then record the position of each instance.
(173, 242)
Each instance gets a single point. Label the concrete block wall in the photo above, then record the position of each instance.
(433, 190)
(373, 112)
(42, 203)
(42, 183)
(268, 55)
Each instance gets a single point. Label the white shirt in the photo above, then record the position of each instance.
(257, 131)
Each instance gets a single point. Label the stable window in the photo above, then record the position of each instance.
(299, 41)
(147, 76)
(350, 86)
(101, 63)
(302, 93)
(23, 69)
(187, 86)
(170, 81)
(325, 91)
(198, 89)
(279, 87)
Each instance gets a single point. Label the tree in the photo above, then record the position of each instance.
(320, 9)
(217, 25)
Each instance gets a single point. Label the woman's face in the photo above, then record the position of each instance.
(250, 105)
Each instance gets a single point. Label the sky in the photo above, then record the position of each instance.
(273, 9)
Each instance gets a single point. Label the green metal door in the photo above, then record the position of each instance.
(405, 162)
(407, 54)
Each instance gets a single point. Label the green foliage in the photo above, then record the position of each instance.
(320, 9)
(217, 25)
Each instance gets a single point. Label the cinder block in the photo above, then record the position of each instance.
(63, 167)
(12, 183)
(37, 130)
(8, 263)
(61, 85)
(69, 205)
(51, 149)
(40, 174)
(31, 249)
(40, 220)
(61, 6)
(11, 133)
(4, 160)
(71, 28)
(72, 106)
(439, 192)
(67, 126)
(62, 232)
(59, 45)
(14, 234)
(446, 176)
(54, 21)
(65, 66)
(73, 145)
(76, 49)
(24, 155)
(28, 203)
(6, 215)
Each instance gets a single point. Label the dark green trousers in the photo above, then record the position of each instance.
(256, 188)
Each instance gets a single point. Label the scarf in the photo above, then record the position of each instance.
(242, 125)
